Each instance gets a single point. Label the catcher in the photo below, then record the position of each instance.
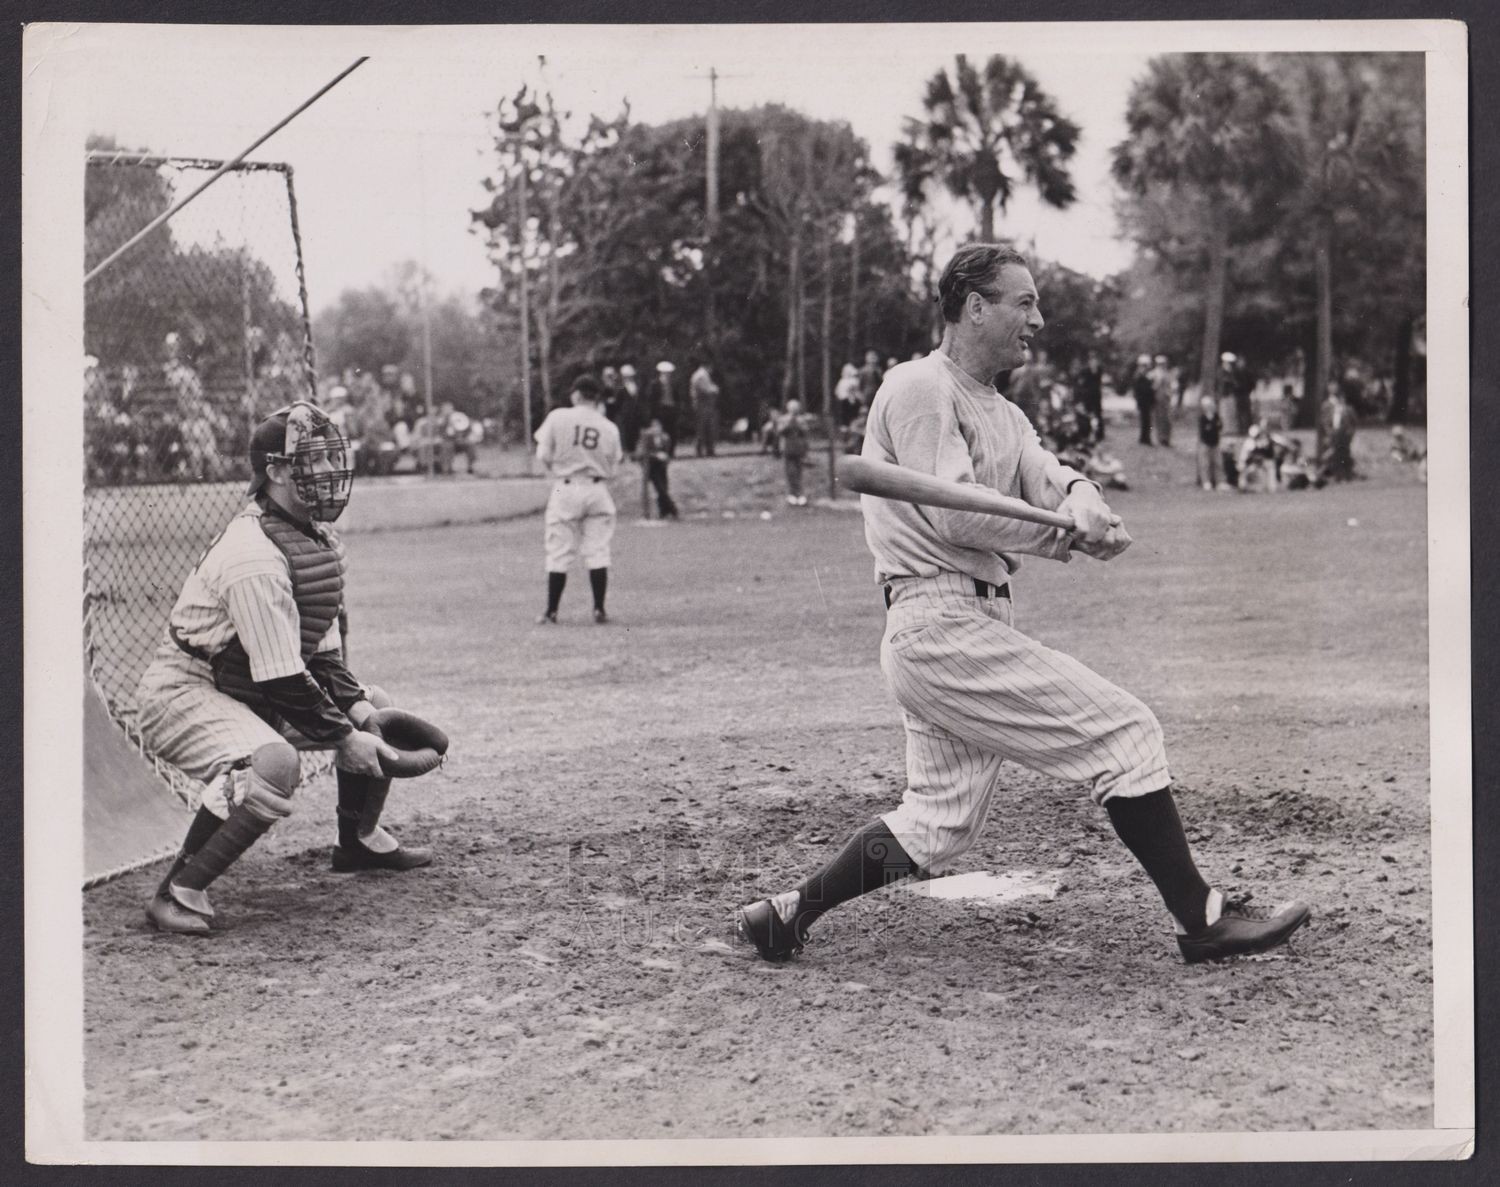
(252, 672)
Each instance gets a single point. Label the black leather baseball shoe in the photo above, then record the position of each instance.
(348, 858)
(761, 925)
(1242, 930)
(166, 914)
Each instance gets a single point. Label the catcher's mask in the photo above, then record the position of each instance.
(298, 435)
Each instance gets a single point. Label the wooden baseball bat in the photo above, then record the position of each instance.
(889, 481)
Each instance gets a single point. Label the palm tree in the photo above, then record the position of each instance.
(1205, 135)
(982, 133)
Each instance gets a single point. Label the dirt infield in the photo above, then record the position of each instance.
(563, 971)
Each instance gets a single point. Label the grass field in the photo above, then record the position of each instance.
(564, 970)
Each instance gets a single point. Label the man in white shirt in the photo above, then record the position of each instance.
(974, 691)
(580, 449)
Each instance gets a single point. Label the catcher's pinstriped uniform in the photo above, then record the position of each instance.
(580, 448)
(241, 588)
(973, 689)
(252, 671)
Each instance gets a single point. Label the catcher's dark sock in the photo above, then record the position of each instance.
(1152, 831)
(555, 583)
(870, 859)
(204, 825)
(599, 582)
(351, 804)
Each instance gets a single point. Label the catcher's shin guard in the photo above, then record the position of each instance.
(204, 825)
(239, 831)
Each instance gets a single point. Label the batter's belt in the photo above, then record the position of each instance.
(982, 589)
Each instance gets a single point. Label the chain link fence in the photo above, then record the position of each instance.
(191, 337)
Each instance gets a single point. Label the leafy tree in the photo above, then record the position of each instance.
(1355, 124)
(219, 300)
(637, 270)
(983, 131)
(365, 329)
(1201, 165)
(1080, 313)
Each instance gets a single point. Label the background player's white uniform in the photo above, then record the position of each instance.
(580, 449)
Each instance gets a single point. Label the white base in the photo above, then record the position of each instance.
(984, 886)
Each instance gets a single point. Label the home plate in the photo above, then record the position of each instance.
(993, 888)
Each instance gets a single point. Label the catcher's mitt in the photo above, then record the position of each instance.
(421, 745)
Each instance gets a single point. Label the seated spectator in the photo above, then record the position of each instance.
(463, 434)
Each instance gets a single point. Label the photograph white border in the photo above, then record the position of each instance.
(53, 114)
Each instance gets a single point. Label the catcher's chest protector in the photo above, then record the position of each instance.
(316, 560)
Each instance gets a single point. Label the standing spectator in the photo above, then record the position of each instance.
(1164, 385)
(1144, 392)
(654, 453)
(1336, 431)
(705, 396)
(1240, 384)
(433, 445)
(1210, 429)
(609, 378)
(662, 403)
(629, 402)
(412, 403)
(792, 430)
(769, 421)
(870, 376)
(1090, 386)
(848, 395)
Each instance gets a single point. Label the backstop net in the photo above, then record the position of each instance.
(191, 337)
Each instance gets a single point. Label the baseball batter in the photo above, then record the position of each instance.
(974, 691)
(580, 448)
(251, 672)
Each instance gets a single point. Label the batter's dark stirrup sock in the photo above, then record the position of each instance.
(1152, 831)
(555, 583)
(870, 859)
(599, 581)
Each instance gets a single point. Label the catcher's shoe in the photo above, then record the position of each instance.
(347, 858)
(167, 914)
(761, 924)
(1242, 929)
(600, 617)
(547, 620)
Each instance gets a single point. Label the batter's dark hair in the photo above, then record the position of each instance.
(973, 269)
(586, 386)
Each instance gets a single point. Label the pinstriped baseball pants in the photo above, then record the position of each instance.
(974, 692)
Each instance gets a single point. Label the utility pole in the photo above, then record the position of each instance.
(712, 203)
(432, 434)
(711, 210)
(525, 306)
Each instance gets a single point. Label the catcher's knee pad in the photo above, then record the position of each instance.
(275, 770)
(380, 698)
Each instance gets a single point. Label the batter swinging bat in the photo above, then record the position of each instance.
(889, 481)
